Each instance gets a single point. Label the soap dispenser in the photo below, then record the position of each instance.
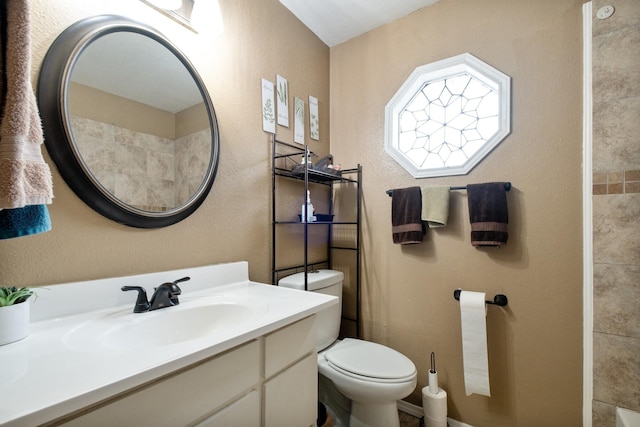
(307, 210)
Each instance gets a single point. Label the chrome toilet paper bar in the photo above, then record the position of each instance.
(499, 299)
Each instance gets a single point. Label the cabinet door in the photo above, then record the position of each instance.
(291, 397)
(245, 412)
(289, 344)
(184, 397)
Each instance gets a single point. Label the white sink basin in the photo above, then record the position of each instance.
(195, 319)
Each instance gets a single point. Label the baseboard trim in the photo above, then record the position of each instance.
(416, 411)
(410, 408)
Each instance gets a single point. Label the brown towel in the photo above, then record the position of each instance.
(488, 213)
(406, 223)
(25, 178)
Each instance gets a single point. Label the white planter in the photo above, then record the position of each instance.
(14, 322)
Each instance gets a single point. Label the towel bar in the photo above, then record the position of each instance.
(499, 299)
(507, 187)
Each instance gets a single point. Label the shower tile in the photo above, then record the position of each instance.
(161, 194)
(599, 178)
(616, 360)
(616, 64)
(127, 137)
(160, 165)
(632, 181)
(615, 177)
(157, 143)
(604, 414)
(615, 188)
(632, 187)
(616, 235)
(131, 190)
(616, 131)
(599, 189)
(131, 160)
(616, 299)
(627, 13)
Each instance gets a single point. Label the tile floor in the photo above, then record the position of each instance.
(407, 420)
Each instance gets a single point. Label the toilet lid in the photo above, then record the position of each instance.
(369, 359)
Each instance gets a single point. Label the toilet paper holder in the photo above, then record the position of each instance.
(499, 299)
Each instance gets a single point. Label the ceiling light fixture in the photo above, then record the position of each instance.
(206, 17)
(167, 4)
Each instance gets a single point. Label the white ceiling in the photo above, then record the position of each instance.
(333, 21)
(336, 21)
(136, 67)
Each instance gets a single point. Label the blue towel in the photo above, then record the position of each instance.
(32, 219)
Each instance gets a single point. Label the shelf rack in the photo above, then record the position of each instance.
(284, 157)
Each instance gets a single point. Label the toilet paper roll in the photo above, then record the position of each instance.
(434, 406)
(474, 343)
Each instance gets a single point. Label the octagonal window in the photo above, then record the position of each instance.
(447, 116)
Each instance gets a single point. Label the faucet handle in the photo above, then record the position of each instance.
(142, 304)
(174, 290)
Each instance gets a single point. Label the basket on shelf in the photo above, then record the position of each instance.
(321, 167)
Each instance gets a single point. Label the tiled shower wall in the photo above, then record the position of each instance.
(146, 171)
(616, 210)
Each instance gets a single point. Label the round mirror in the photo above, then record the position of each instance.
(128, 122)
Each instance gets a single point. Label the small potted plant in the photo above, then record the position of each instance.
(14, 314)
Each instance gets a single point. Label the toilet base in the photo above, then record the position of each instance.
(372, 415)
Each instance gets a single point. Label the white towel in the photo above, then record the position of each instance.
(473, 314)
(25, 178)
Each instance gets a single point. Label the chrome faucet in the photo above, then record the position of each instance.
(165, 295)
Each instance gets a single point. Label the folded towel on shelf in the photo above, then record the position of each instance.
(406, 223)
(435, 205)
(25, 178)
(32, 219)
(488, 213)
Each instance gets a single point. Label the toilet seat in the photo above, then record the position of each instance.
(369, 361)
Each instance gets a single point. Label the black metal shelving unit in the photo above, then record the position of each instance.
(284, 157)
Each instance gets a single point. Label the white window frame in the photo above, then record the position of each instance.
(467, 64)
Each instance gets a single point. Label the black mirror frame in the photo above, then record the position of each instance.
(52, 90)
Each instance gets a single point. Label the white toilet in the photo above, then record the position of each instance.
(372, 376)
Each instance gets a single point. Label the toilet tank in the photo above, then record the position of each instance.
(327, 282)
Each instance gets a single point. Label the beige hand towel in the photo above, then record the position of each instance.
(435, 205)
(25, 178)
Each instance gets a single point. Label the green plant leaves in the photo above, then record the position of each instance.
(13, 295)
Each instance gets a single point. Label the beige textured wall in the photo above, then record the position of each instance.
(91, 103)
(260, 39)
(616, 209)
(535, 344)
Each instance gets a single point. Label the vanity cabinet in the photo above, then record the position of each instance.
(333, 241)
(291, 376)
(244, 412)
(269, 381)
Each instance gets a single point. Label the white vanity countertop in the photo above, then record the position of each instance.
(44, 377)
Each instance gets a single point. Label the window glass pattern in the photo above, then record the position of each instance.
(443, 121)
